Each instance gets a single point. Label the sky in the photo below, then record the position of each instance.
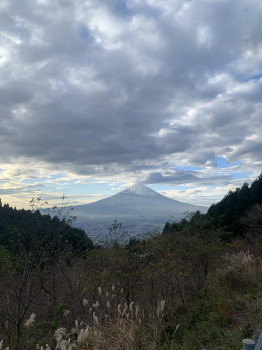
(96, 95)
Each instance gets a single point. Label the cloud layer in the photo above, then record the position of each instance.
(133, 88)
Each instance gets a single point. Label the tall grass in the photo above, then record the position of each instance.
(113, 326)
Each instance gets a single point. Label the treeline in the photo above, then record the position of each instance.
(232, 217)
(228, 212)
(31, 229)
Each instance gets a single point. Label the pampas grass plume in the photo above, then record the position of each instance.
(30, 321)
(85, 302)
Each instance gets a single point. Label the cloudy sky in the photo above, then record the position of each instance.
(98, 94)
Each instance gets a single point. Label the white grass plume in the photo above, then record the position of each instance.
(30, 321)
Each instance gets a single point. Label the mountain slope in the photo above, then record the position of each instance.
(133, 207)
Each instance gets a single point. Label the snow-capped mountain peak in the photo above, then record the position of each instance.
(138, 208)
(140, 190)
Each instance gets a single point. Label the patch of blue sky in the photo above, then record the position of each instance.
(33, 180)
(210, 70)
(157, 187)
(63, 81)
(19, 31)
(245, 79)
(223, 163)
(43, 178)
(255, 77)
(85, 33)
(187, 168)
(87, 188)
(122, 8)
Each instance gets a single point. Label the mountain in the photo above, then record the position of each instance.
(138, 208)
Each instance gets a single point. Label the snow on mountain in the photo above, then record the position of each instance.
(140, 190)
(138, 208)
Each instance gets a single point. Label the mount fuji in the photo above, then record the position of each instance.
(138, 208)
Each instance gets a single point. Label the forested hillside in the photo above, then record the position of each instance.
(31, 230)
(196, 286)
(228, 213)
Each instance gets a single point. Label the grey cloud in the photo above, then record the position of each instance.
(23, 188)
(250, 149)
(94, 101)
(178, 177)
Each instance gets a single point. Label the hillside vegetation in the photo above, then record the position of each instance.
(197, 285)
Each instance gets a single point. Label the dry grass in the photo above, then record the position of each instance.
(114, 327)
(125, 331)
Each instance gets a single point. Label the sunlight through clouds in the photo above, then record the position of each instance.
(94, 93)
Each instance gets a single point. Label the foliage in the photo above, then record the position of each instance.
(195, 286)
(31, 229)
(228, 212)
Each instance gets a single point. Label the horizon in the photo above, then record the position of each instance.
(65, 202)
(96, 96)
